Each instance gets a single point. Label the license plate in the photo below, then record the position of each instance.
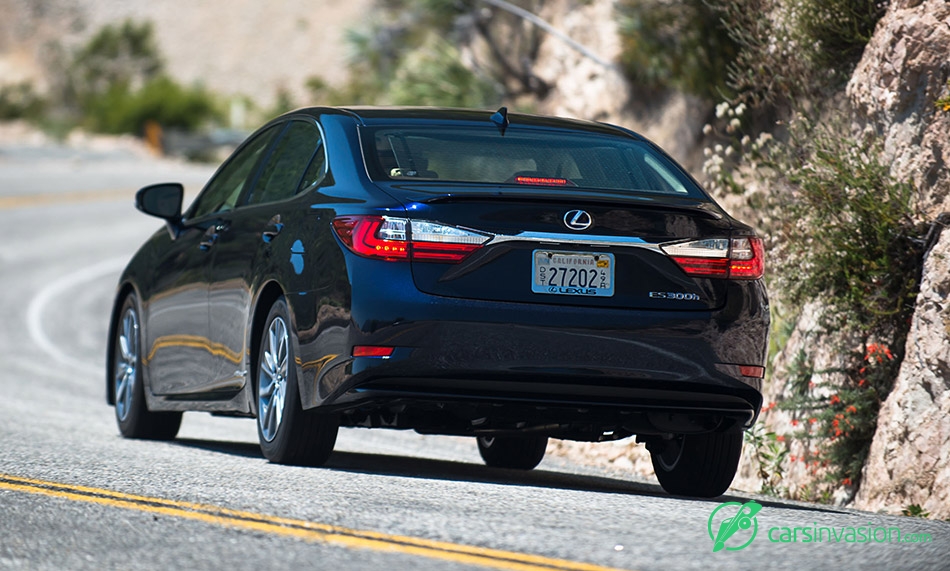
(573, 273)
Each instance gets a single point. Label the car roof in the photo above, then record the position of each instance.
(381, 116)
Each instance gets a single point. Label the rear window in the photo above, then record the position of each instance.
(523, 157)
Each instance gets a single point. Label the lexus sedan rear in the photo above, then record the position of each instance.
(502, 276)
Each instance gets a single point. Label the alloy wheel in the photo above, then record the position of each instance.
(272, 380)
(126, 363)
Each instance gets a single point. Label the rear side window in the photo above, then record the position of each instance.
(523, 157)
(281, 176)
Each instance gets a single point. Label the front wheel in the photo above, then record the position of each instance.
(699, 465)
(131, 413)
(287, 433)
(518, 452)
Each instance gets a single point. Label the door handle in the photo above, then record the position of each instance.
(208, 241)
(212, 234)
(272, 229)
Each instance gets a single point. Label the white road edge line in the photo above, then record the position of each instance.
(37, 307)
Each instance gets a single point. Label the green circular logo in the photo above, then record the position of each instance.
(733, 524)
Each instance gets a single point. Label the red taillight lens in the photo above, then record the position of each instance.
(395, 239)
(738, 258)
(371, 236)
(748, 259)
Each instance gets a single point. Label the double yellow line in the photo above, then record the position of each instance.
(301, 529)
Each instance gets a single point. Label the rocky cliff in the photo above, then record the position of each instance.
(584, 88)
(904, 69)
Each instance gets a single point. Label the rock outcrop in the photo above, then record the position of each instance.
(588, 89)
(909, 462)
(904, 69)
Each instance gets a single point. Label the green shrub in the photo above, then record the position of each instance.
(791, 53)
(682, 44)
(20, 101)
(837, 428)
(122, 55)
(839, 30)
(850, 233)
(943, 103)
(162, 100)
(850, 240)
(434, 75)
(118, 84)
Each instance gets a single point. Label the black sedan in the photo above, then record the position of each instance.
(502, 276)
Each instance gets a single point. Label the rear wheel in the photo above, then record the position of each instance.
(287, 433)
(131, 413)
(518, 452)
(700, 465)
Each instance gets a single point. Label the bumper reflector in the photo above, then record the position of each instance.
(372, 351)
(752, 371)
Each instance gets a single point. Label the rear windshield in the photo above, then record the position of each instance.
(524, 157)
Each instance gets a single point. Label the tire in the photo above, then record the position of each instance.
(698, 465)
(287, 433)
(517, 452)
(132, 415)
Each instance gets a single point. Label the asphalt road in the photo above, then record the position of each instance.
(74, 495)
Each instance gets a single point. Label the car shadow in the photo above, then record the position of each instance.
(449, 470)
(455, 471)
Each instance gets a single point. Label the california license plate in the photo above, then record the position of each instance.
(573, 273)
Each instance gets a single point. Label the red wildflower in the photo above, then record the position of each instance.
(780, 438)
(794, 422)
(835, 399)
(852, 409)
(846, 481)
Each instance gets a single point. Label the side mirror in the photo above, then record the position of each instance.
(161, 200)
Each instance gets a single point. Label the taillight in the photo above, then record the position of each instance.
(395, 239)
(374, 236)
(738, 258)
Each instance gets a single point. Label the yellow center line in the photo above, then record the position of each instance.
(302, 529)
(24, 201)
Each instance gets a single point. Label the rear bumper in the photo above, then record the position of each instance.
(526, 356)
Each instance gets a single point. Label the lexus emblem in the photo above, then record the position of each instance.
(578, 220)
